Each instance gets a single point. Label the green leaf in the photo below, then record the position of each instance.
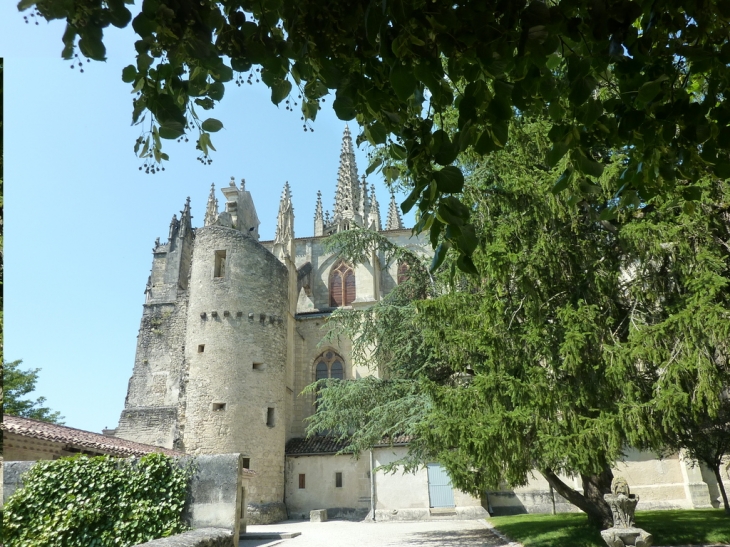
(556, 153)
(722, 169)
(216, 90)
(649, 90)
(171, 129)
(553, 60)
(439, 255)
(402, 80)
(467, 241)
(373, 166)
(449, 180)
(206, 103)
(587, 165)
(119, 15)
(485, 143)
(580, 91)
(376, 133)
(411, 200)
(435, 232)
(609, 213)
(280, 90)
(465, 264)
(212, 125)
(692, 193)
(344, 108)
(556, 111)
(93, 48)
(25, 4)
(444, 151)
(562, 182)
(391, 173)
(398, 152)
(129, 74)
(591, 112)
(500, 131)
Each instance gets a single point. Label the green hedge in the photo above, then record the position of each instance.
(97, 502)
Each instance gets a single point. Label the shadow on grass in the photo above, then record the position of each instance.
(675, 527)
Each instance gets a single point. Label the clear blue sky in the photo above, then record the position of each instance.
(81, 219)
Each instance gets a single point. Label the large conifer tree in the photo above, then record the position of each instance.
(584, 332)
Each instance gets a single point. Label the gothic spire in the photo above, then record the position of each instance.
(318, 216)
(186, 225)
(364, 201)
(347, 195)
(285, 219)
(394, 221)
(211, 210)
(374, 211)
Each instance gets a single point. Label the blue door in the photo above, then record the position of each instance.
(440, 493)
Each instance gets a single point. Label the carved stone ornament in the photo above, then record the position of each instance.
(623, 505)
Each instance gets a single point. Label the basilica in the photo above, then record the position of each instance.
(232, 331)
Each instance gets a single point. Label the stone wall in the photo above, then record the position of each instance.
(320, 490)
(216, 497)
(158, 379)
(669, 483)
(204, 537)
(236, 351)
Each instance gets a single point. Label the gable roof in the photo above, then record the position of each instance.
(78, 438)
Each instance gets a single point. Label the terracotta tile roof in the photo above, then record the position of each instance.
(78, 438)
(331, 445)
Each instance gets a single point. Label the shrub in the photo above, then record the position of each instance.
(97, 502)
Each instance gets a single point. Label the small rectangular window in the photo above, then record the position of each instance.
(219, 407)
(201, 348)
(220, 264)
(338, 480)
(246, 463)
(301, 480)
(258, 366)
(270, 417)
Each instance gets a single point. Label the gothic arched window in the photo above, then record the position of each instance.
(342, 285)
(403, 274)
(329, 365)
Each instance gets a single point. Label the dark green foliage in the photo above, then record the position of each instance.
(16, 384)
(97, 502)
(588, 328)
(693, 527)
(681, 318)
(372, 409)
(648, 77)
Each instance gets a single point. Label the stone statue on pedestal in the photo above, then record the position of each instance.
(624, 531)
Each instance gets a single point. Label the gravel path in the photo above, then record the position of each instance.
(340, 533)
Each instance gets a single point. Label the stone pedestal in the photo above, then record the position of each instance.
(318, 515)
(624, 533)
(621, 537)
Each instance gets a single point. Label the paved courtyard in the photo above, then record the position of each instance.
(445, 533)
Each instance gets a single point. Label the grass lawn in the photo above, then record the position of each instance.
(700, 526)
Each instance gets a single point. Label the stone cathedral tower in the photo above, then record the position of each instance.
(231, 327)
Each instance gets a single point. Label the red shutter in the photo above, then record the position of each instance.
(336, 290)
(349, 288)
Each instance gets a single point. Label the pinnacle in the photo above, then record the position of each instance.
(394, 220)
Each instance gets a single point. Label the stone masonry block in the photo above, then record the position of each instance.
(318, 515)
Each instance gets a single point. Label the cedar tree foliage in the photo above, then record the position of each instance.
(577, 338)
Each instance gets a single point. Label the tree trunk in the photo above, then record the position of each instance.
(591, 502)
(721, 486)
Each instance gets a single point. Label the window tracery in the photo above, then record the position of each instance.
(342, 285)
